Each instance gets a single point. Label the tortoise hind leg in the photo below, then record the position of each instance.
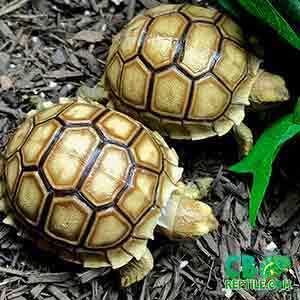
(136, 270)
(244, 137)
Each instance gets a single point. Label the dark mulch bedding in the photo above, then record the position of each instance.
(48, 49)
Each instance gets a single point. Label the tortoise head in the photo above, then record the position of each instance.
(186, 218)
(268, 89)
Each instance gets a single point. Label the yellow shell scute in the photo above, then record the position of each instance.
(131, 37)
(118, 127)
(242, 92)
(198, 13)
(116, 40)
(67, 219)
(231, 29)
(160, 140)
(65, 163)
(31, 197)
(171, 156)
(147, 152)
(165, 188)
(108, 175)
(173, 172)
(38, 141)
(81, 112)
(158, 48)
(144, 229)
(146, 182)
(171, 90)
(135, 83)
(109, 229)
(94, 260)
(199, 130)
(202, 42)
(136, 200)
(12, 172)
(133, 202)
(232, 65)
(136, 247)
(19, 137)
(210, 99)
(175, 129)
(114, 70)
(49, 113)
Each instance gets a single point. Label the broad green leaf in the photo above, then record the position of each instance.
(268, 12)
(233, 7)
(265, 11)
(297, 112)
(290, 10)
(260, 159)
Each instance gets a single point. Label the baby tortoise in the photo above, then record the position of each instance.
(91, 184)
(186, 72)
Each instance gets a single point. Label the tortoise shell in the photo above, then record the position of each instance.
(88, 182)
(183, 70)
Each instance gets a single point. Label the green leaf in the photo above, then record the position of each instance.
(268, 13)
(265, 11)
(233, 7)
(297, 113)
(260, 159)
(290, 10)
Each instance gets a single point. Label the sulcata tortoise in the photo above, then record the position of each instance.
(90, 184)
(185, 71)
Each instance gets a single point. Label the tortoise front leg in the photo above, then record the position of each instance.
(244, 137)
(136, 270)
